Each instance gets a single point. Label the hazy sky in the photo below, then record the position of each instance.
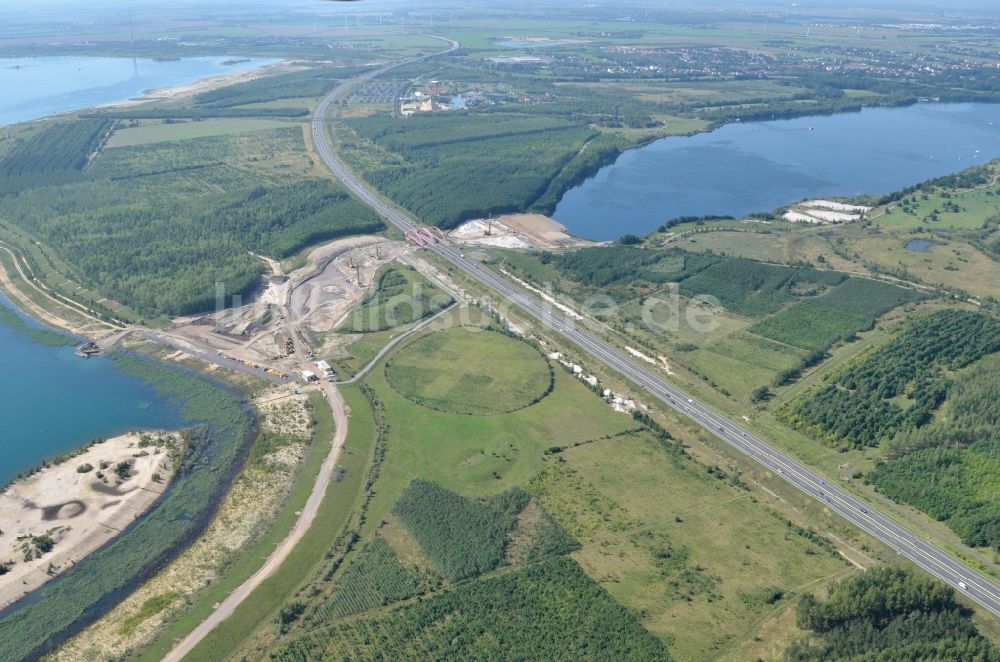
(934, 6)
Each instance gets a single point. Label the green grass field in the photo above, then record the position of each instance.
(455, 371)
(147, 133)
(965, 210)
(401, 295)
(482, 455)
(697, 557)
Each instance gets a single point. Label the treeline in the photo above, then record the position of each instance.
(889, 615)
(600, 151)
(53, 154)
(950, 469)
(179, 112)
(979, 175)
(428, 130)
(856, 408)
(548, 611)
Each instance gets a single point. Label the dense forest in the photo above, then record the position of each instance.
(888, 615)
(857, 408)
(950, 469)
(450, 168)
(157, 226)
(310, 83)
(463, 537)
(198, 113)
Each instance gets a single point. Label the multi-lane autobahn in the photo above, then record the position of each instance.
(977, 587)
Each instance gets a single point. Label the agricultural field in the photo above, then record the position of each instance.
(839, 314)
(754, 289)
(775, 323)
(550, 610)
(53, 154)
(436, 538)
(482, 455)
(684, 548)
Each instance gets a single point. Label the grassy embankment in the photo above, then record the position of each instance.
(340, 498)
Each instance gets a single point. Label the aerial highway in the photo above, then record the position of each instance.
(942, 565)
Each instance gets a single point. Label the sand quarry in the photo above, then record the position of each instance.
(519, 231)
(59, 515)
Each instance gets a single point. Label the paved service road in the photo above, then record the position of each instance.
(977, 587)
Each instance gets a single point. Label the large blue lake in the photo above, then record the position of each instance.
(744, 168)
(42, 86)
(51, 400)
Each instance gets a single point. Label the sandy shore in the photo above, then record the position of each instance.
(54, 518)
(202, 85)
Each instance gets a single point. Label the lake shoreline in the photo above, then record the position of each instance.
(591, 230)
(187, 90)
(126, 90)
(58, 515)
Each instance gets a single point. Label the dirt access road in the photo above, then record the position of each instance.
(306, 516)
(278, 556)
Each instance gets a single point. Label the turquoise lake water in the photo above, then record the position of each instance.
(42, 86)
(52, 401)
(752, 167)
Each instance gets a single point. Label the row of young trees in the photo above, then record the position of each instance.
(856, 408)
(53, 154)
(462, 537)
(547, 611)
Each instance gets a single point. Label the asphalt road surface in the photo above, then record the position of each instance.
(977, 587)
